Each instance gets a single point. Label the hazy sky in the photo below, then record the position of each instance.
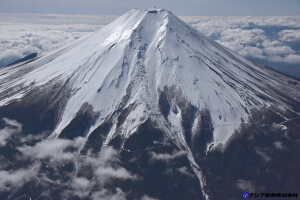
(179, 7)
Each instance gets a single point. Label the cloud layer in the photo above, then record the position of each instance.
(18, 41)
(23, 34)
(270, 39)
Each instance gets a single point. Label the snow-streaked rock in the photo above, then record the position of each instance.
(149, 50)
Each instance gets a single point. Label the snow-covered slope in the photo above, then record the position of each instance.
(149, 65)
(146, 51)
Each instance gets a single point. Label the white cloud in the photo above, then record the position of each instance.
(268, 43)
(46, 148)
(279, 145)
(106, 173)
(52, 148)
(106, 157)
(211, 24)
(279, 50)
(23, 34)
(254, 52)
(15, 44)
(104, 167)
(17, 178)
(5, 134)
(241, 36)
(13, 123)
(166, 157)
(30, 137)
(290, 35)
(77, 142)
(146, 197)
(19, 40)
(12, 127)
(184, 170)
(109, 155)
(108, 195)
(292, 59)
(251, 36)
(107, 166)
(254, 44)
(245, 185)
(236, 47)
(82, 186)
(263, 153)
(244, 42)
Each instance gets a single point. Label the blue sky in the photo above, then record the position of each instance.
(179, 7)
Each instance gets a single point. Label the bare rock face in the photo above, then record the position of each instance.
(147, 108)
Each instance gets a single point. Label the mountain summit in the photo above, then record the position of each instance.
(148, 82)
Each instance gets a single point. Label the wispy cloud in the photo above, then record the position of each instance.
(11, 127)
(53, 149)
(245, 185)
(184, 170)
(166, 157)
(146, 197)
(109, 195)
(82, 186)
(42, 161)
(107, 166)
(16, 178)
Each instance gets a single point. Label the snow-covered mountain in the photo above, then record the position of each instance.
(149, 80)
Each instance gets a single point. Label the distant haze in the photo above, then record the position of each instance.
(187, 8)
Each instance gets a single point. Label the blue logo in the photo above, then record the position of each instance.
(245, 195)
